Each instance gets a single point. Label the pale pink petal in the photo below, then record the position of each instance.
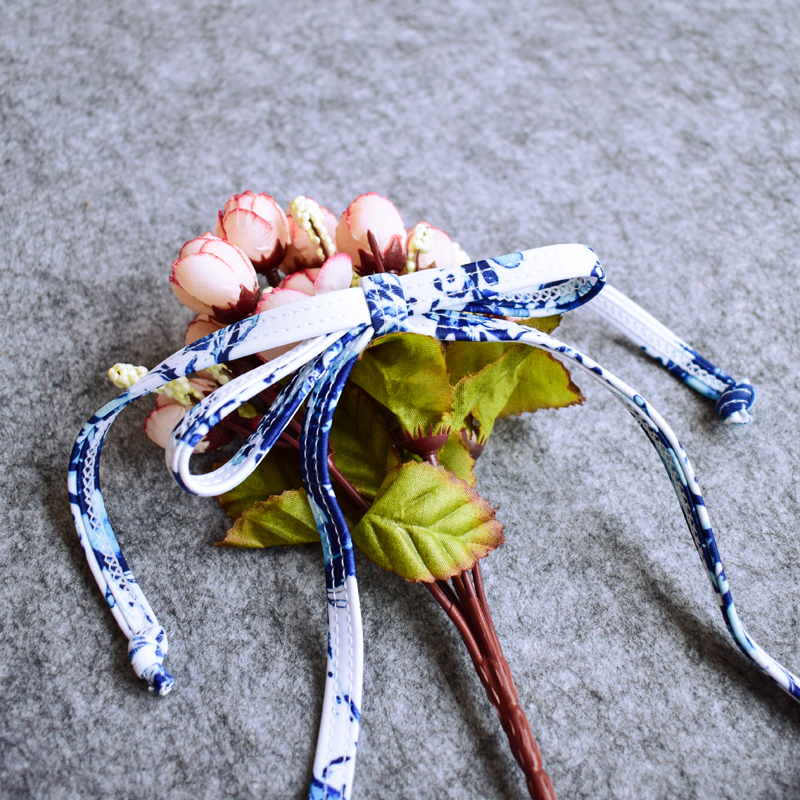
(199, 327)
(258, 225)
(234, 257)
(299, 282)
(195, 245)
(266, 207)
(278, 297)
(336, 274)
(210, 280)
(441, 255)
(160, 423)
(188, 300)
(251, 233)
(219, 227)
(371, 213)
(245, 200)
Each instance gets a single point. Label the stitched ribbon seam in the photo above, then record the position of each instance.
(436, 303)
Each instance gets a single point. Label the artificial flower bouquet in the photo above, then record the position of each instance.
(410, 424)
(363, 380)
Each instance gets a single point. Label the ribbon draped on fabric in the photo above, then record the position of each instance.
(464, 304)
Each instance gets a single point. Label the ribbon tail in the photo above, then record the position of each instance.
(733, 398)
(148, 641)
(334, 762)
(452, 326)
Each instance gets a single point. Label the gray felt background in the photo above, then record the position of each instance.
(664, 135)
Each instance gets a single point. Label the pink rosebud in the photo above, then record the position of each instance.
(302, 252)
(335, 274)
(199, 327)
(372, 233)
(429, 248)
(302, 281)
(216, 278)
(256, 224)
(160, 423)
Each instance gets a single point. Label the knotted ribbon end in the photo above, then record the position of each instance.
(146, 652)
(734, 404)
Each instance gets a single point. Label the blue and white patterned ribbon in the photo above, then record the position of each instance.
(457, 304)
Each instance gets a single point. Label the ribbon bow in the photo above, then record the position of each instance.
(464, 304)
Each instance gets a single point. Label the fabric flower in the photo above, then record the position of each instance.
(159, 424)
(199, 327)
(307, 219)
(372, 233)
(335, 274)
(257, 225)
(429, 248)
(214, 277)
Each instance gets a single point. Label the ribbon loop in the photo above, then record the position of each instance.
(386, 301)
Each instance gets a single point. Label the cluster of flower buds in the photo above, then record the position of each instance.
(302, 251)
(216, 274)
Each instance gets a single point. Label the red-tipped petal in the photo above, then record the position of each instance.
(199, 327)
(160, 423)
(336, 274)
(299, 282)
(278, 297)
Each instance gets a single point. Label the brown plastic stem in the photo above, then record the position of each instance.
(358, 501)
(234, 426)
(467, 607)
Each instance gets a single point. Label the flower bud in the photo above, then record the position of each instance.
(335, 274)
(160, 423)
(429, 248)
(256, 224)
(372, 233)
(215, 277)
(303, 251)
(199, 327)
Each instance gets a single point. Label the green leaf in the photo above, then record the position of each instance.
(282, 520)
(362, 446)
(406, 373)
(427, 525)
(497, 379)
(544, 324)
(485, 375)
(544, 382)
(279, 471)
(455, 457)
(463, 358)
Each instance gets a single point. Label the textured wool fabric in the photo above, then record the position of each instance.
(662, 135)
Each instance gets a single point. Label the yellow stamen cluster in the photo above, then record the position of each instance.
(461, 256)
(307, 215)
(246, 411)
(220, 373)
(123, 376)
(420, 241)
(181, 391)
